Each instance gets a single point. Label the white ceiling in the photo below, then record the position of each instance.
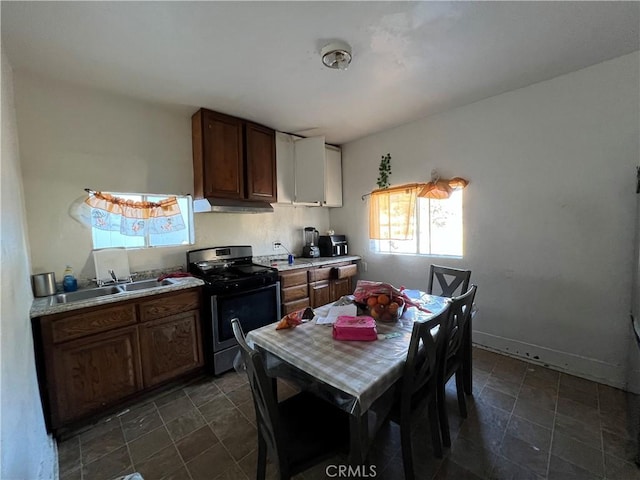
(261, 61)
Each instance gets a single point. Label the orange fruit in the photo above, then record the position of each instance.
(393, 308)
(371, 301)
(383, 299)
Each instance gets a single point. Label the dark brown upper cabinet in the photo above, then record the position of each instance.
(260, 154)
(232, 158)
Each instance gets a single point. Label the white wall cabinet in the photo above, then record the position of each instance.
(309, 171)
(284, 167)
(332, 176)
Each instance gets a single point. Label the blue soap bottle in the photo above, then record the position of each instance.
(69, 282)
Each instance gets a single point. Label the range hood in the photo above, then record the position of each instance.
(225, 205)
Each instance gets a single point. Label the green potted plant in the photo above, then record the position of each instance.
(384, 171)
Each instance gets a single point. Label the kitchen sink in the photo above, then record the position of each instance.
(90, 293)
(143, 284)
(86, 294)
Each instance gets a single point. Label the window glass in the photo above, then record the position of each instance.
(439, 228)
(113, 238)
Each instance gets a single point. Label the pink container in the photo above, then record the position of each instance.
(361, 328)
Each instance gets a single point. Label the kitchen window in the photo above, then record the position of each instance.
(137, 220)
(430, 226)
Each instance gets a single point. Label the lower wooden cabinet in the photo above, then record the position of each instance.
(170, 347)
(319, 293)
(93, 372)
(328, 283)
(92, 362)
(294, 290)
(315, 286)
(341, 287)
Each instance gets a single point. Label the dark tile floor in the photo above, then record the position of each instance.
(525, 422)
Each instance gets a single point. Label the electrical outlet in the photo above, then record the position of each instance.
(276, 245)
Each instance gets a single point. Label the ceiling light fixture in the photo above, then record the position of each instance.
(336, 55)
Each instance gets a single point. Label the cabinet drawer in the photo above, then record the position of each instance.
(67, 327)
(169, 305)
(345, 271)
(296, 305)
(294, 293)
(319, 273)
(290, 279)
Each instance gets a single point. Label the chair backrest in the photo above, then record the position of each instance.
(421, 365)
(265, 402)
(459, 313)
(450, 280)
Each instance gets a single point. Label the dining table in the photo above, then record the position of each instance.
(353, 375)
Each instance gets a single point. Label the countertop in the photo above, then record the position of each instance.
(45, 306)
(300, 262)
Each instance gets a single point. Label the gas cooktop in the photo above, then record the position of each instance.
(229, 268)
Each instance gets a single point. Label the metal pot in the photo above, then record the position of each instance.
(44, 284)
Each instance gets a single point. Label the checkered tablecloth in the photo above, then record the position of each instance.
(362, 370)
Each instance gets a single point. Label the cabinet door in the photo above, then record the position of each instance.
(333, 177)
(309, 170)
(340, 287)
(94, 372)
(261, 163)
(284, 168)
(170, 347)
(223, 159)
(319, 293)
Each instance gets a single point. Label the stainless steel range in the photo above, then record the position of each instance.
(234, 287)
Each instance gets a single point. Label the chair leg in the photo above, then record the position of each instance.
(434, 425)
(262, 459)
(462, 403)
(407, 450)
(444, 419)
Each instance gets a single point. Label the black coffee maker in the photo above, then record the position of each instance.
(310, 248)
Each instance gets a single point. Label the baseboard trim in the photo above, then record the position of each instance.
(572, 364)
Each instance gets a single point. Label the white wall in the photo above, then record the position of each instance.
(548, 215)
(633, 358)
(72, 138)
(26, 450)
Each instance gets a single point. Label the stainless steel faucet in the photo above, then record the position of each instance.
(113, 275)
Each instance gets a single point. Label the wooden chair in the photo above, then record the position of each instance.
(450, 281)
(418, 388)
(297, 433)
(454, 357)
